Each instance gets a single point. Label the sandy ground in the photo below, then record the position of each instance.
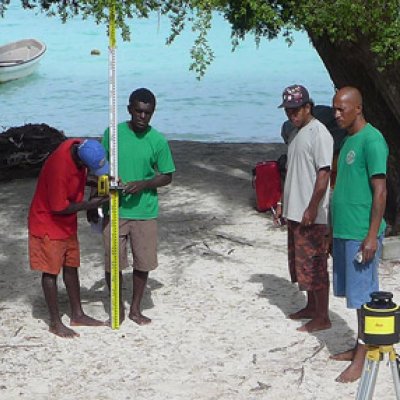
(219, 303)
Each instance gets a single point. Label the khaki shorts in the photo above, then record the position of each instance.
(142, 237)
(49, 255)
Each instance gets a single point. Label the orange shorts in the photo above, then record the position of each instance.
(48, 255)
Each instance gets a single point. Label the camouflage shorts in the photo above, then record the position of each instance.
(308, 256)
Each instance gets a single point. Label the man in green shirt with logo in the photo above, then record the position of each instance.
(144, 164)
(357, 207)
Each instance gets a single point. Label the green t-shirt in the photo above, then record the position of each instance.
(362, 155)
(140, 157)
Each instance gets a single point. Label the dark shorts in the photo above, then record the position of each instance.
(308, 256)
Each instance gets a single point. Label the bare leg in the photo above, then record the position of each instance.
(354, 370)
(78, 317)
(121, 303)
(49, 286)
(139, 284)
(308, 311)
(347, 355)
(320, 320)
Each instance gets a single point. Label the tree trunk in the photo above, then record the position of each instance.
(354, 64)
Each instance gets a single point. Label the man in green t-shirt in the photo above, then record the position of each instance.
(357, 207)
(144, 164)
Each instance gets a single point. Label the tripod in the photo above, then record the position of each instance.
(374, 355)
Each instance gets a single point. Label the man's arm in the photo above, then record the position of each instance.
(319, 191)
(370, 243)
(131, 188)
(156, 182)
(93, 203)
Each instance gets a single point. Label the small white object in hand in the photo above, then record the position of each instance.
(98, 227)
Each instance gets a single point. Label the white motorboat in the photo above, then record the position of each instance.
(20, 59)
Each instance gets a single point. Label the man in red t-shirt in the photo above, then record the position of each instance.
(53, 225)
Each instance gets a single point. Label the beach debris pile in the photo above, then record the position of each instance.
(23, 149)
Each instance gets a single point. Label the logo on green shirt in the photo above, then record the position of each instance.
(350, 157)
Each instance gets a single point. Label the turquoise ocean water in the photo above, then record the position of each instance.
(235, 102)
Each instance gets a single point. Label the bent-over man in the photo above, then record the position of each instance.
(53, 225)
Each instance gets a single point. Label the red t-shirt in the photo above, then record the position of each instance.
(60, 183)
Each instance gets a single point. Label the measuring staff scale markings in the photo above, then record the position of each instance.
(112, 185)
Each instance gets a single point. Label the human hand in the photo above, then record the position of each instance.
(368, 248)
(277, 212)
(309, 216)
(134, 187)
(92, 215)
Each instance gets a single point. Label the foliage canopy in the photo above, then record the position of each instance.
(374, 21)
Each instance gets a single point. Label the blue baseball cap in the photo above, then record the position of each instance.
(93, 155)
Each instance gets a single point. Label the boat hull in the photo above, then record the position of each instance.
(20, 59)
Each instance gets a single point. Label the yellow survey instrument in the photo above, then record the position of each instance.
(380, 319)
(103, 185)
(380, 329)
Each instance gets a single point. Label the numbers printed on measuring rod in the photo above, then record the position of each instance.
(114, 195)
(114, 260)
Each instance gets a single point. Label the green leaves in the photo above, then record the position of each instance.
(374, 21)
(202, 54)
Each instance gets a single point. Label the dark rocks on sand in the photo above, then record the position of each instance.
(23, 149)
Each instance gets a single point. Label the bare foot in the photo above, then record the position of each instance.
(85, 320)
(317, 324)
(139, 318)
(62, 331)
(347, 355)
(351, 373)
(304, 313)
(354, 370)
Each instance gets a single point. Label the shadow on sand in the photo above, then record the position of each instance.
(286, 296)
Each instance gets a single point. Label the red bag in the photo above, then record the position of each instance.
(267, 183)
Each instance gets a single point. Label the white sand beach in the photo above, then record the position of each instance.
(219, 303)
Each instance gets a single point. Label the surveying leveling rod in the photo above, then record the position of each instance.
(114, 195)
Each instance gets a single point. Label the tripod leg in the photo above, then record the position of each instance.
(396, 378)
(368, 379)
(365, 375)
